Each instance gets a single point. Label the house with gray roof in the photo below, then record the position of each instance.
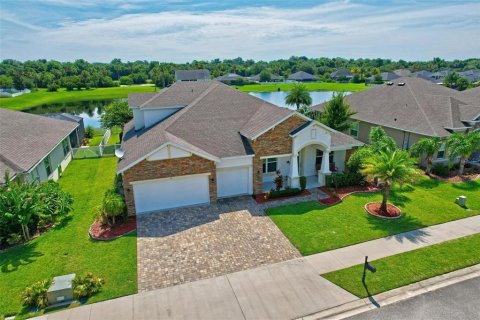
(411, 108)
(229, 78)
(192, 75)
(385, 76)
(195, 142)
(302, 76)
(273, 78)
(471, 75)
(33, 147)
(78, 134)
(341, 74)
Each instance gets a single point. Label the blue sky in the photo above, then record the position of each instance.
(183, 30)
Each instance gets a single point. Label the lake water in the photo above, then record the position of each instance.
(278, 97)
(91, 111)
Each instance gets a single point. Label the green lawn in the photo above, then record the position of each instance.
(68, 248)
(313, 227)
(406, 268)
(62, 96)
(311, 86)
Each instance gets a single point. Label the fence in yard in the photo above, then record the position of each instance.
(106, 136)
(105, 150)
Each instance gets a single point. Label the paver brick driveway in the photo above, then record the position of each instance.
(187, 244)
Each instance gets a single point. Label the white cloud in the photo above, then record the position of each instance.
(333, 29)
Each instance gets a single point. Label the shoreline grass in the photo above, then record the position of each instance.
(406, 268)
(42, 96)
(311, 86)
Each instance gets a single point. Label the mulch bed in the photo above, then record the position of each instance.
(470, 177)
(373, 208)
(260, 198)
(99, 231)
(344, 192)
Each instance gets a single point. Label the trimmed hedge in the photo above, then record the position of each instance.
(440, 170)
(285, 192)
(340, 180)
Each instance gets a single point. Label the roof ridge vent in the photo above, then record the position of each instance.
(401, 84)
(389, 83)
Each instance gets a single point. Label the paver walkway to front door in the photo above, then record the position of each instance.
(187, 244)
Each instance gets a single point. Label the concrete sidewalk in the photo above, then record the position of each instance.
(285, 290)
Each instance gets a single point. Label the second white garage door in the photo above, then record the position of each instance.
(152, 195)
(232, 181)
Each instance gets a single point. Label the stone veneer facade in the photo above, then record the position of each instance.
(276, 141)
(147, 170)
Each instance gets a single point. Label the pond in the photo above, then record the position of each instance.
(278, 97)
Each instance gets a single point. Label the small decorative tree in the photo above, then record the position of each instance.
(337, 113)
(463, 146)
(278, 180)
(113, 205)
(426, 147)
(298, 96)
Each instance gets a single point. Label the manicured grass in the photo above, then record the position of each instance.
(67, 248)
(313, 227)
(41, 96)
(311, 86)
(115, 136)
(406, 268)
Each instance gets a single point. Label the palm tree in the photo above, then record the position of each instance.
(337, 113)
(390, 167)
(426, 147)
(463, 146)
(299, 96)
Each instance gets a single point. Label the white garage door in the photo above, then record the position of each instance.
(232, 181)
(170, 193)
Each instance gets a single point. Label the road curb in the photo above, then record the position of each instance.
(396, 295)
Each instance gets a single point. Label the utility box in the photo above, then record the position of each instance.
(61, 289)
(461, 201)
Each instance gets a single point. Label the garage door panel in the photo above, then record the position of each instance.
(171, 193)
(232, 181)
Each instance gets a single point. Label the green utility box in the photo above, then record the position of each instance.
(61, 289)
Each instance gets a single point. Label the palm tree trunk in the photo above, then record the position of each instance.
(386, 189)
(462, 166)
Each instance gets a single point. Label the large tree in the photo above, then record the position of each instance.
(116, 115)
(299, 96)
(390, 167)
(462, 146)
(337, 113)
(426, 147)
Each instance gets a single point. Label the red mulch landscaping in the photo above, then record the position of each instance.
(374, 209)
(99, 231)
(260, 198)
(343, 192)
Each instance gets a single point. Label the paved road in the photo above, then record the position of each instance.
(458, 301)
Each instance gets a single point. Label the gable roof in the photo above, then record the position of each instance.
(25, 139)
(419, 106)
(386, 76)
(192, 75)
(341, 73)
(257, 77)
(301, 75)
(228, 77)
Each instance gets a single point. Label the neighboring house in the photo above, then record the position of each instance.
(439, 76)
(403, 72)
(471, 75)
(11, 93)
(33, 147)
(229, 78)
(273, 78)
(386, 76)
(78, 134)
(192, 75)
(424, 74)
(341, 74)
(198, 141)
(302, 76)
(410, 109)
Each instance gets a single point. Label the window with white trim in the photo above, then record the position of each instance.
(354, 129)
(270, 165)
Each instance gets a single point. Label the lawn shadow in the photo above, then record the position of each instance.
(63, 222)
(467, 185)
(21, 255)
(369, 296)
(405, 228)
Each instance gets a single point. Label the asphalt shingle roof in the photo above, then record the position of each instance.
(192, 75)
(419, 106)
(27, 138)
(301, 75)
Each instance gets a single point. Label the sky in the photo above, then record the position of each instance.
(182, 30)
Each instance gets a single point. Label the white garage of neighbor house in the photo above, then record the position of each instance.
(196, 142)
(33, 147)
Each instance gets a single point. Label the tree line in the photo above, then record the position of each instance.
(83, 74)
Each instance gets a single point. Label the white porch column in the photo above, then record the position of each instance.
(325, 168)
(294, 177)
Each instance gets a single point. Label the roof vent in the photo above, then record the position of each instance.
(389, 83)
(401, 84)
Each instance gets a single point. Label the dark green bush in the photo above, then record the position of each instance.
(341, 180)
(303, 182)
(440, 170)
(285, 192)
(86, 286)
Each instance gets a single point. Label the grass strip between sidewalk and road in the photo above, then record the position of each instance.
(409, 267)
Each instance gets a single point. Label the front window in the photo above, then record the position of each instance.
(270, 165)
(48, 167)
(354, 129)
(441, 152)
(66, 147)
(319, 157)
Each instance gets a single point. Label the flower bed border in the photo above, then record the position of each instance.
(369, 188)
(260, 198)
(380, 216)
(94, 237)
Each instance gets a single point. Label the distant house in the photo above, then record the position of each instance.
(11, 93)
(229, 78)
(412, 108)
(341, 74)
(78, 134)
(386, 76)
(471, 75)
(425, 74)
(402, 72)
(192, 75)
(273, 78)
(33, 147)
(302, 76)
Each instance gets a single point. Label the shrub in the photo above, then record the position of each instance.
(113, 204)
(86, 286)
(36, 295)
(303, 182)
(440, 170)
(278, 181)
(89, 132)
(14, 239)
(341, 180)
(52, 87)
(57, 203)
(285, 192)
